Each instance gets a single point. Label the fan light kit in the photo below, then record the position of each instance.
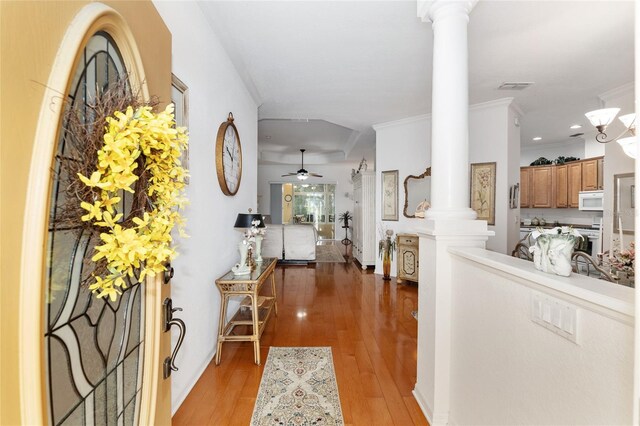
(302, 174)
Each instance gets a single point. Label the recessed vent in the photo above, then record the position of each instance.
(575, 135)
(519, 85)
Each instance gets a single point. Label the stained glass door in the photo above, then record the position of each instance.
(94, 348)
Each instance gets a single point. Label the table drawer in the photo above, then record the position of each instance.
(409, 240)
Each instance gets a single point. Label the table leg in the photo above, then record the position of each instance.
(256, 332)
(273, 292)
(221, 326)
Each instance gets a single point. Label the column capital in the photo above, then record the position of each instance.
(430, 10)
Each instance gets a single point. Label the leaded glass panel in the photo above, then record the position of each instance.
(93, 347)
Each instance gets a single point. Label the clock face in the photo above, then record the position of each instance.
(228, 157)
(231, 159)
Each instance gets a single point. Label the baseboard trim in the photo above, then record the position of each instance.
(424, 406)
(188, 389)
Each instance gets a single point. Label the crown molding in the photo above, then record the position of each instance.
(507, 102)
(625, 89)
(402, 121)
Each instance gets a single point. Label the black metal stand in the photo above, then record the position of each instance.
(346, 241)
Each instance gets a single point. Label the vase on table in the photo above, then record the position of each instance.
(242, 268)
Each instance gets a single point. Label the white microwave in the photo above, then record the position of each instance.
(591, 200)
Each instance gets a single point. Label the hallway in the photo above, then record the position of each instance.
(368, 325)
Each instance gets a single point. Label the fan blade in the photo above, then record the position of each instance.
(290, 174)
(314, 175)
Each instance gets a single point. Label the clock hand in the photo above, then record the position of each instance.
(230, 155)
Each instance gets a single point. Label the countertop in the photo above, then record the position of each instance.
(552, 225)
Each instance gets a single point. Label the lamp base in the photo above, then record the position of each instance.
(243, 269)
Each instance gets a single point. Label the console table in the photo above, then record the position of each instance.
(408, 257)
(254, 311)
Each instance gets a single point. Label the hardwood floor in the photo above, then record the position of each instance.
(366, 321)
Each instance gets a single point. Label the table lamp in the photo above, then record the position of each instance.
(244, 222)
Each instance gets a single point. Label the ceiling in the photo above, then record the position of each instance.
(324, 72)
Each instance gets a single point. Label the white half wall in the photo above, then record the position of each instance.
(215, 89)
(403, 145)
(508, 370)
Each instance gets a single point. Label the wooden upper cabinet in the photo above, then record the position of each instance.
(574, 183)
(541, 187)
(524, 186)
(562, 186)
(590, 175)
(600, 173)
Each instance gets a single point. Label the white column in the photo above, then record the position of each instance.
(450, 109)
(450, 221)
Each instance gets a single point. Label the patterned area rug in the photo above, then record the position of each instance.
(328, 254)
(298, 387)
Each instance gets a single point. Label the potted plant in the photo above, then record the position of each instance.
(386, 247)
(345, 218)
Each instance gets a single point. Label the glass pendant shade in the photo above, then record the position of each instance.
(602, 117)
(628, 120)
(629, 146)
(302, 177)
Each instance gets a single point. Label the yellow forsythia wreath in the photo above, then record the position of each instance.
(146, 245)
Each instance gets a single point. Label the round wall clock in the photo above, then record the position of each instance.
(287, 198)
(228, 157)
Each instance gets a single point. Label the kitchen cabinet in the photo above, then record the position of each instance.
(541, 195)
(524, 186)
(561, 185)
(574, 183)
(600, 173)
(590, 175)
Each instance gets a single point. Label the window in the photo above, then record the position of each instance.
(315, 203)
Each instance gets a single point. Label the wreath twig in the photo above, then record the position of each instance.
(127, 149)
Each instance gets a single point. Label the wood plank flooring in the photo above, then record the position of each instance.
(366, 321)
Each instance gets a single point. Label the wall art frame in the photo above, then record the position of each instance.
(483, 191)
(389, 184)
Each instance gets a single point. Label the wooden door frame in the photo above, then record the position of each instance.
(90, 19)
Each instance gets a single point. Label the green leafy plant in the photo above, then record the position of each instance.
(345, 218)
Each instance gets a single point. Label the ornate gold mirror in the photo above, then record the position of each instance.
(417, 194)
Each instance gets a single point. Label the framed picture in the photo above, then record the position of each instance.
(483, 191)
(390, 195)
(180, 98)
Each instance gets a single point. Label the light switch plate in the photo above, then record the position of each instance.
(555, 315)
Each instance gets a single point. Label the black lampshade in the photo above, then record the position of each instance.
(244, 220)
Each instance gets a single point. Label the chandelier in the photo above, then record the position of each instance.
(601, 118)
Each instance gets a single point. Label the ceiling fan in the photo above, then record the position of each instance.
(302, 174)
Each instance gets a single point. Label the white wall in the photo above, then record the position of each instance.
(215, 89)
(615, 160)
(494, 137)
(339, 174)
(506, 369)
(403, 145)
